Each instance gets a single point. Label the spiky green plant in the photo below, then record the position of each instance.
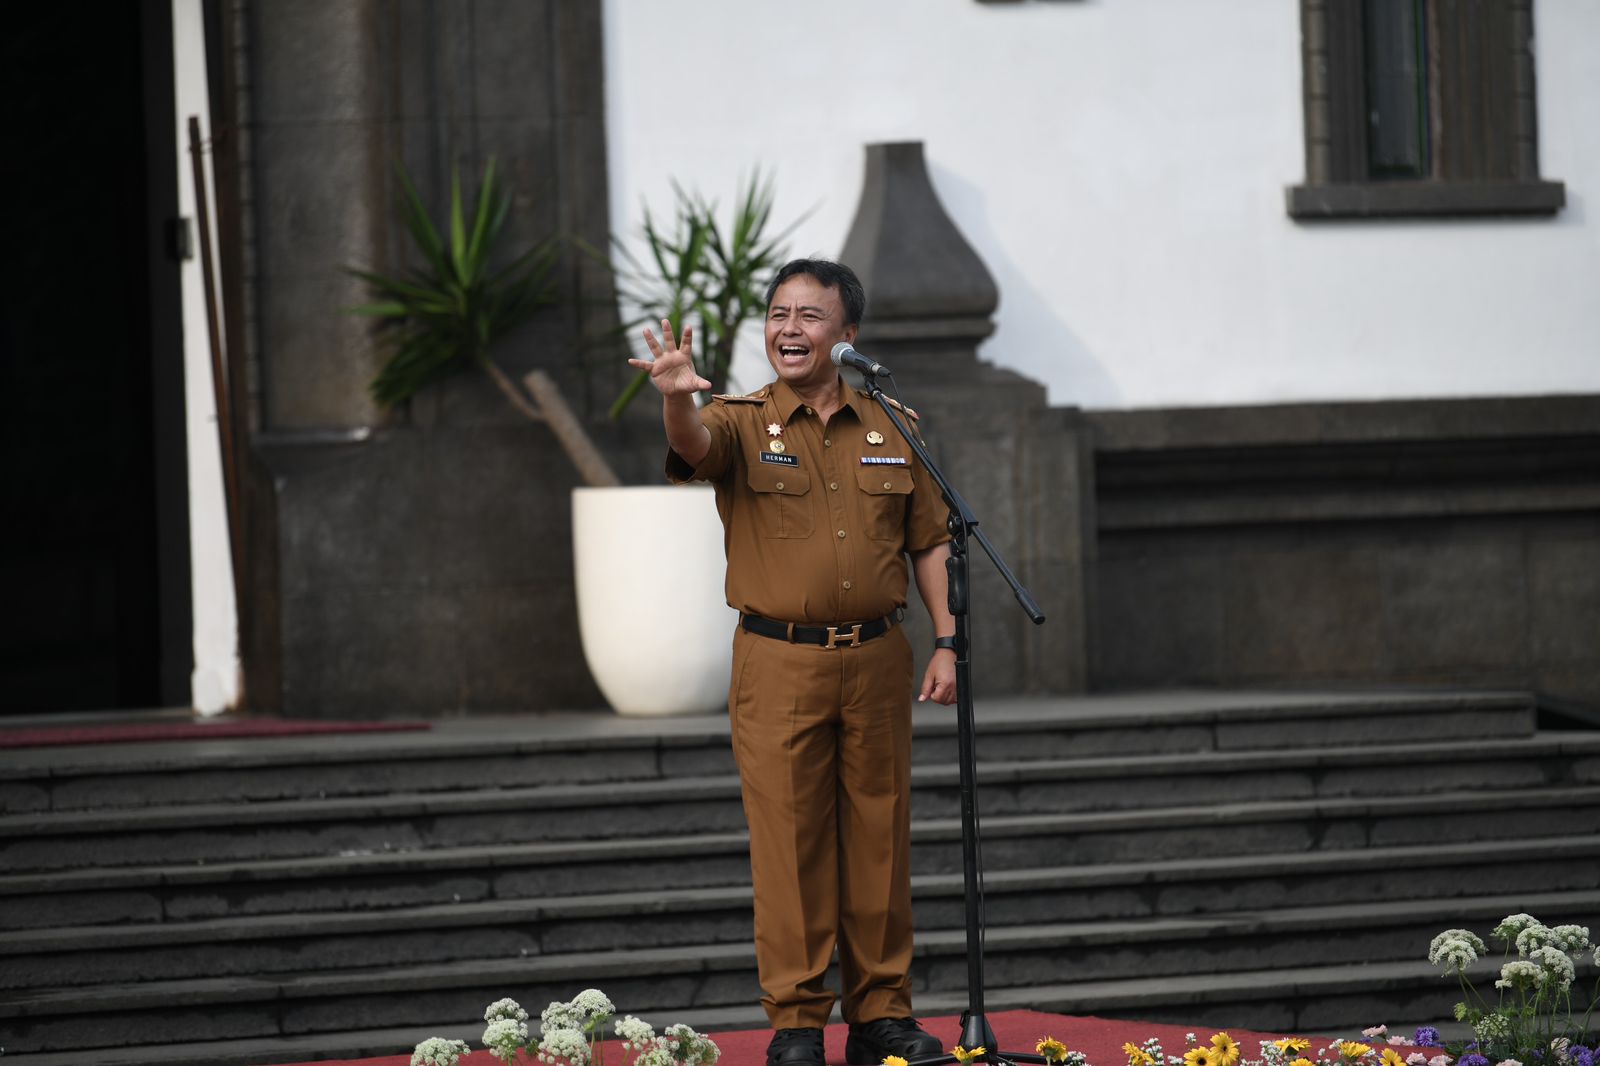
(713, 271)
(450, 311)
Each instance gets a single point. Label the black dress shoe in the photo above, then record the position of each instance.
(796, 1047)
(871, 1042)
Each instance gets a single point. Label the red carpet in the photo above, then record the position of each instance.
(1018, 1031)
(50, 736)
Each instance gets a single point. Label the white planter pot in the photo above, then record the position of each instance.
(649, 563)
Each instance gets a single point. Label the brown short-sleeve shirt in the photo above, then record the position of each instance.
(815, 532)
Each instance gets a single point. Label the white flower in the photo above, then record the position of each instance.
(1512, 924)
(1508, 1062)
(1557, 967)
(1570, 938)
(504, 1036)
(1519, 973)
(564, 1045)
(658, 1055)
(1376, 1030)
(1532, 938)
(1416, 1058)
(1440, 1060)
(593, 1003)
(1492, 1028)
(690, 1046)
(436, 1051)
(635, 1033)
(1559, 1046)
(504, 1008)
(1455, 952)
(559, 1016)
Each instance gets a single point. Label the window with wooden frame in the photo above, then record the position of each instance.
(1420, 107)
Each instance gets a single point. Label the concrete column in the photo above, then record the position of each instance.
(1024, 468)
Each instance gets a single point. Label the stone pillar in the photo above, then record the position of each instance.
(416, 561)
(1025, 468)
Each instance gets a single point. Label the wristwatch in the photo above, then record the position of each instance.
(944, 642)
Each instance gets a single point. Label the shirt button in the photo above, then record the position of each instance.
(886, 485)
(780, 486)
(834, 485)
(826, 443)
(847, 586)
(841, 534)
(809, 411)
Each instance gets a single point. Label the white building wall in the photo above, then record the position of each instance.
(1120, 166)
(215, 680)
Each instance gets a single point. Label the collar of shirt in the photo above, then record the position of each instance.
(787, 401)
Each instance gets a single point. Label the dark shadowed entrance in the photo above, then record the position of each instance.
(94, 570)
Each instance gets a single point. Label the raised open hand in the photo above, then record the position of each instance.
(672, 369)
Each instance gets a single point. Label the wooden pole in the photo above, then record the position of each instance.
(575, 440)
(219, 381)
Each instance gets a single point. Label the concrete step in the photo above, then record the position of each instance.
(409, 821)
(362, 882)
(1024, 967)
(600, 748)
(1186, 893)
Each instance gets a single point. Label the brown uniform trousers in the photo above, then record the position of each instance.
(817, 520)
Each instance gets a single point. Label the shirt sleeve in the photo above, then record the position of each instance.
(718, 421)
(927, 515)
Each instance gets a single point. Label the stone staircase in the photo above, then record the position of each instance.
(1275, 860)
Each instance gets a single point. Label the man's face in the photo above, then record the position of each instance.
(804, 321)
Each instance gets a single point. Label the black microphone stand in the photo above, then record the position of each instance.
(963, 524)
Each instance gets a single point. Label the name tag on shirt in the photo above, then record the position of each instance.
(780, 460)
(883, 460)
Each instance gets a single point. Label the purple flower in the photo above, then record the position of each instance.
(1581, 1056)
(1428, 1036)
(1472, 1060)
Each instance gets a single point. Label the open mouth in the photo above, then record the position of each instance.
(793, 352)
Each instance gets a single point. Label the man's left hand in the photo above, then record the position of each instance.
(939, 683)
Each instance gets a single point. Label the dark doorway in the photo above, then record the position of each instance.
(94, 574)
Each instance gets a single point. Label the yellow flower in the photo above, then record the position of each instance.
(894, 1060)
(1292, 1043)
(1391, 1057)
(1350, 1050)
(964, 1056)
(1227, 1050)
(1052, 1049)
(1137, 1056)
(1200, 1056)
(1301, 1062)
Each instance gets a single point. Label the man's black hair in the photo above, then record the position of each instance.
(829, 275)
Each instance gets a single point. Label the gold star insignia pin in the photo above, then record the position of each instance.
(874, 437)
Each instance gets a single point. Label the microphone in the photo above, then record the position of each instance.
(844, 355)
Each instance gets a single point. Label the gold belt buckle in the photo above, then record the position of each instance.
(835, 636)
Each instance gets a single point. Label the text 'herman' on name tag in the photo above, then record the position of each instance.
(780, 460)
(883, 460)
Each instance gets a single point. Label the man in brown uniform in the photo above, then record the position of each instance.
(820, 500)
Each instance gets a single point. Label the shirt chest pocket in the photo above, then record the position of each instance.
(884, 492)
(782, 501)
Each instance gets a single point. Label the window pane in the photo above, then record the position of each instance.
(1397, 89)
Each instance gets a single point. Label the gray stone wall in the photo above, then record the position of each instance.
(1447, 542)
(415, 561)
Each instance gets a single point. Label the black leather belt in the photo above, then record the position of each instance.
(848, 635)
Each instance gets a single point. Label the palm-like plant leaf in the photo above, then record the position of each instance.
(702, 268)
(453, 308)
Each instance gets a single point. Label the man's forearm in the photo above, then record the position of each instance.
(933, 582)
(686, 434)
